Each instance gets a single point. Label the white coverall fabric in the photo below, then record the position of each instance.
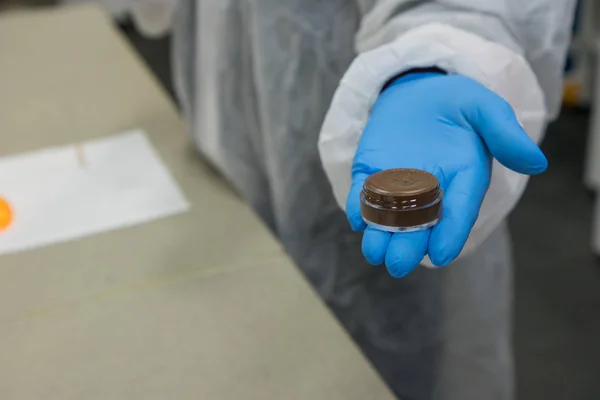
(256, 78)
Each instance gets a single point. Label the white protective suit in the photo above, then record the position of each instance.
(256, 79)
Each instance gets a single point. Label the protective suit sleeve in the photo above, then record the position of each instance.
(515, 48)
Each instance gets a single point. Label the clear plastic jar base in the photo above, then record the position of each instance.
(396, 229)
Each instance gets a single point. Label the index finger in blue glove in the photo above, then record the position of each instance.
(353, 202)
(496, 123)
(462, 201)
(405, 252)
(375, 244)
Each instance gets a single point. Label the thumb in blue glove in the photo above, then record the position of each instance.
(448, 125)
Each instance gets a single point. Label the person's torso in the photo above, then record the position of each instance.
(249, 62)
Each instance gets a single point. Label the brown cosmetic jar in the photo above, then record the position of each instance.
(401, 200)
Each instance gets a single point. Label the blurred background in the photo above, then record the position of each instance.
(557, 240)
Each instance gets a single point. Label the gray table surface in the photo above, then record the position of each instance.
(203, 305)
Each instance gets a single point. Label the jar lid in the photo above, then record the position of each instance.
(401, 188)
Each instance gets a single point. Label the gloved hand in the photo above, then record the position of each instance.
(451, 126)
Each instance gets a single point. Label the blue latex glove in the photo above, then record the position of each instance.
(448, 125)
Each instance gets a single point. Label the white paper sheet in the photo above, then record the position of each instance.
(63, 193)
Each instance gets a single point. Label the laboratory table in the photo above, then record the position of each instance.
(202, 304)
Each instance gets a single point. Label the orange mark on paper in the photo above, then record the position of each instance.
(6, 214)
